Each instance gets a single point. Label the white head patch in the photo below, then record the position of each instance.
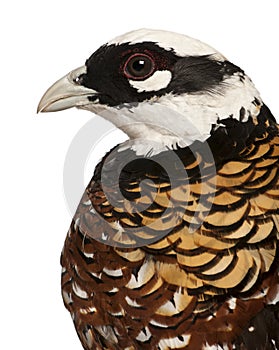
(174, 119)
(159, 80)
(182, 45)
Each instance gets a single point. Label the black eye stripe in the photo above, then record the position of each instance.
(139, 66)
(107, 72)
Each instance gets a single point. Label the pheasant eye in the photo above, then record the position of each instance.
(139, 66)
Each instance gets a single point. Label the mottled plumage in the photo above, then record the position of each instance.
(175, 246)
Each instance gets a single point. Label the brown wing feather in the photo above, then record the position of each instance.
(202, 271)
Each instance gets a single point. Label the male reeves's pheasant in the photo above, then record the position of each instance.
(174, 244)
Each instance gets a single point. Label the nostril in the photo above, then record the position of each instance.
(79, 79)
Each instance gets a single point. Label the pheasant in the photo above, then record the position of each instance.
(174, 244)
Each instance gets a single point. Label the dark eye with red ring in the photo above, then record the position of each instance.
(139, 66)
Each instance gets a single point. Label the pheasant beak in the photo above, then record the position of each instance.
(66, 93)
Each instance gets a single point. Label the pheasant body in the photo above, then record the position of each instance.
(188, 288)
(174, 244)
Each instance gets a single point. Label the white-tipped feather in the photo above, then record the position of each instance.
(174, 343)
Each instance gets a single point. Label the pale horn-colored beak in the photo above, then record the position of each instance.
(66, 93)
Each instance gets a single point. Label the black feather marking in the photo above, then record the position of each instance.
(189, 74)
(262, 333)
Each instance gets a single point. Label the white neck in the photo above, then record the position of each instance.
(170, 120)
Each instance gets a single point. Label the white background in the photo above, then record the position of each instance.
(40, 42)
